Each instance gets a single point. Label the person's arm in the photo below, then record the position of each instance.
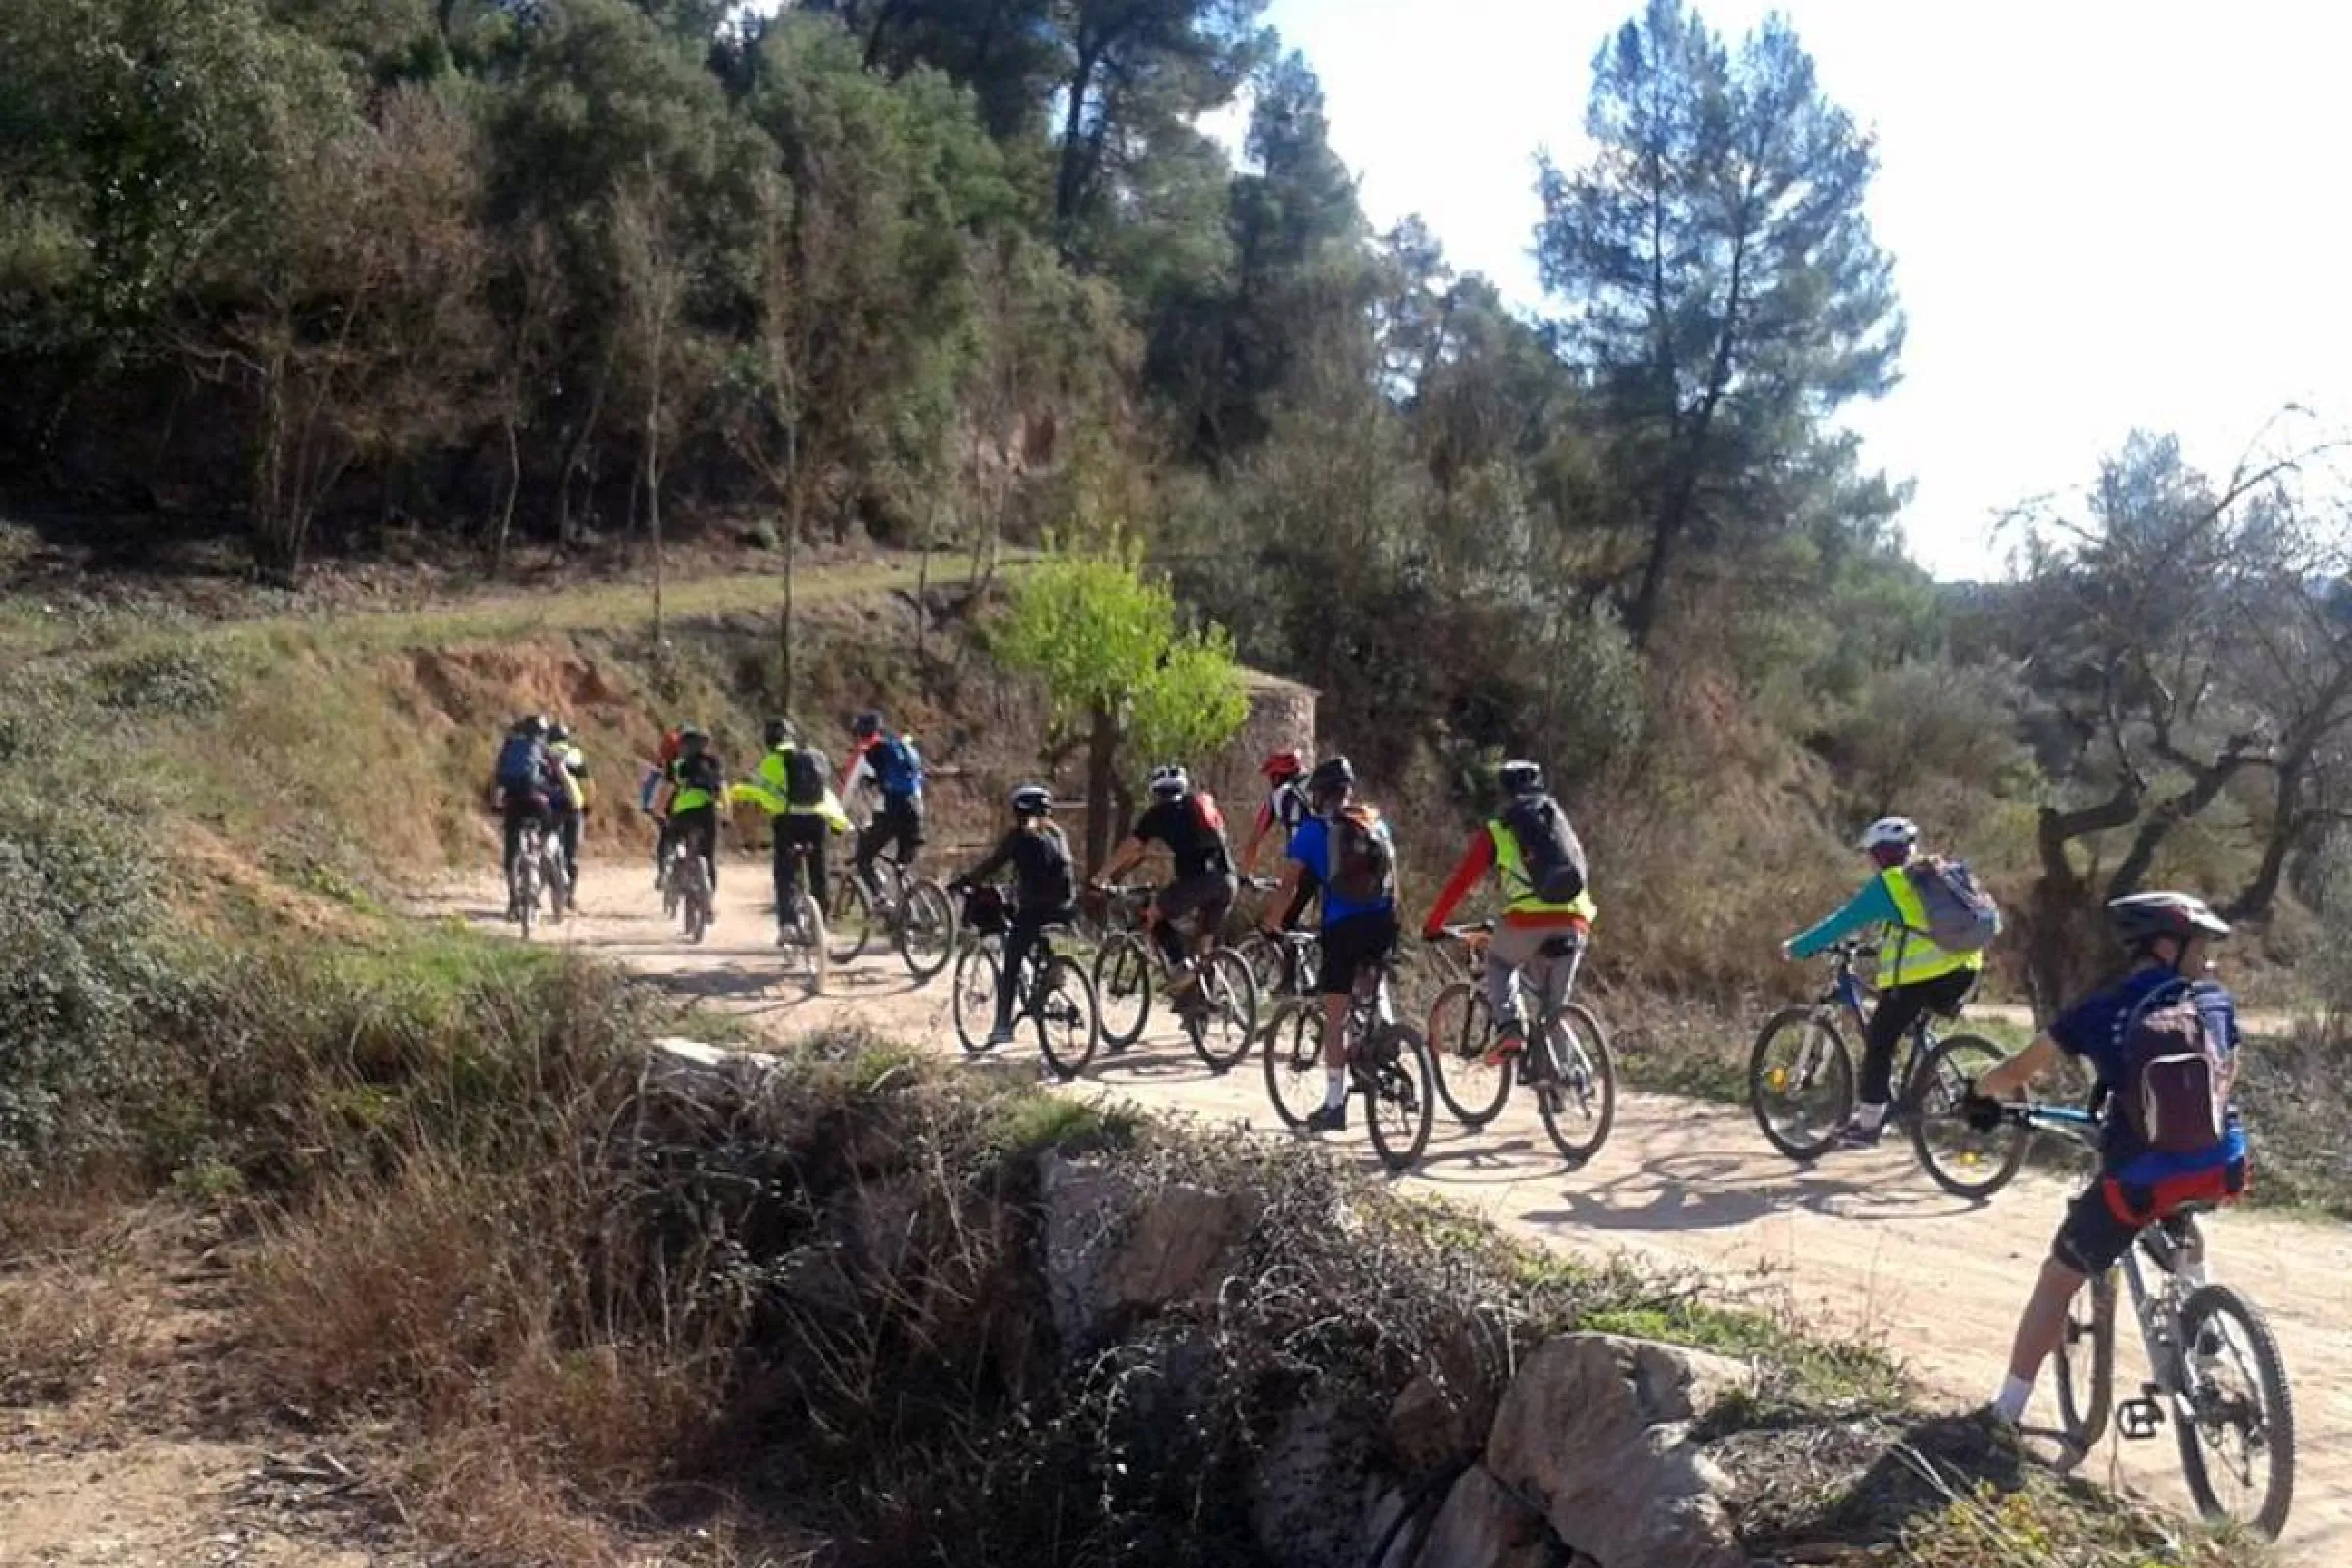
(998, 858)
(1123, 860)
(1257, 836)
(2009, 1079)
(1871, 905)
(1473, 863)
(1286, 889)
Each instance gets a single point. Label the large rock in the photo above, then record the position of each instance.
(1304, 1495)
(1110, 1256)
(1594, 1430)
(1432, 1425)
(1482, 1524)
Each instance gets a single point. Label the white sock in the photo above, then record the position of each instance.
(1868, 1116)
(2009, 1403)
(1335, 1089)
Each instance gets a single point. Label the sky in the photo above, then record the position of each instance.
(2104, 216)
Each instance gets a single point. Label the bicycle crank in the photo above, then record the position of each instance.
(2138, 1419)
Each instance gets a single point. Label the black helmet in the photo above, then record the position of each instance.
(1032, 799)
(693, 738)
(778, 732)
(1519, 776)
(1331, 775)
(531, 724)
(1169, 783)
(867, 725)
(558, 732)
(2141, 917)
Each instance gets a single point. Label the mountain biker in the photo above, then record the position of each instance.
(697, 780)
(1187, 821)
(895, 769)
(792, 785)
(1285, 805)
(1346, 844)
(1914, 976)
(1043, 884)
(653, 789)
(525, 781)
(570, 802)
(1549, 910)
(2170, 937)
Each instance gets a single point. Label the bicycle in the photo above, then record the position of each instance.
(915, 912)
(689, 888)
(1285, 964)
(1052, 992)
(538, 868)
(803, 927)
(1387, 1063)
(1221, 1020)
(1800, 1085)
(2186, 1322)
(1575, 1086)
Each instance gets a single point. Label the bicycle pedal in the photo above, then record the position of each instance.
(2138, 1419)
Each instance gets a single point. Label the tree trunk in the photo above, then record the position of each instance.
(506, 504)
(653, 500)
(784, 669)
(1102, 755)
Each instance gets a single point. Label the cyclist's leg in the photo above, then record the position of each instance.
(701, 827)
(786, 867)
(1898, 1008)
(818, 834)
(1346, 949)
(2089, 1241)
(570, 824)
(1021, 939)
(870, 839)
(1512, 952)
(511, 816)
(906, 817)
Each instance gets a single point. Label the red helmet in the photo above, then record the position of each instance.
(1288, 762)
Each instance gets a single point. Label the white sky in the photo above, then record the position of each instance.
(2103, 214)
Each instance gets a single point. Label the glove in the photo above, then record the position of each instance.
(1981, 1113)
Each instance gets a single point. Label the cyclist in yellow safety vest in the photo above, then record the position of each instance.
(1549, 912)
(1915, 975)
(791, 786)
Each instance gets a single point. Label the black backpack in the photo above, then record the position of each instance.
(1363, 862)
(1547, 847)
(806, 772)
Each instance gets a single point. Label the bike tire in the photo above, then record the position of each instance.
(2275, 1439)
(1585, 1080)
(853, 926)
(1065, 1002)
(558, 880)
(1122, 979)
(1398, 1081)
(2087, 1390)
(1231, 990)
(1294, 1062)
(926, 934)
(972, 993)
(696, 899)
(1975, 1165)
(812, 942)
(1781, 1057)
(1462, 1030)
(526, 897)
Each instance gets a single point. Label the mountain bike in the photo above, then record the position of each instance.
(1387, 1063)
(1220, 1019)
(1285, 963)
(689, 887)
(2215, 1373)
(802, 929)
(1052, 991)
(538, 870)
(1800, 1085)
(911, 913)
(1567, 1061)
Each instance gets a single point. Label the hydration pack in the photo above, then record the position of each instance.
(1363, 862)
(806, 774)
(521, 764)
(1548, 850)
(1961, 915)
(2177, 1075)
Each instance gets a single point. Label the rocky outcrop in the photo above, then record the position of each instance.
(1112, 1258)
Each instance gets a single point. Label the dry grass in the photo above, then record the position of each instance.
(69, 1317)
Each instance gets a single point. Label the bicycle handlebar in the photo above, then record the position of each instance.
(1468, 935)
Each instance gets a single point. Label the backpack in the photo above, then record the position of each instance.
(521, 764)
(1057, 883)
(2177, 1077)
(1363, 862)
(1206, 814)
(701, 772)
(805, 772)
(898, 766)
(1961, 915)
(1549, 849)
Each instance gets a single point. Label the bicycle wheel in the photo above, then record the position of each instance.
(851, 927)
(667, 875)
(695, 900)
(1462, 1030)
(1579, 1105)
(811, 939)
(1293, 1057)
(1399, 1104)
(1063, 1009)
(927, 936)
(526, 891)
(1123, 988)
(972, 993)
(2235, 1423)
(1962, 1161)
(1801, 1082)
(557, 882)
(2084, 1366)
(1224, 1019)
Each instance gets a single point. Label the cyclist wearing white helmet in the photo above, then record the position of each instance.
(2163, 1041)
(1915, 975)
(1042, 885)
(1186, 819)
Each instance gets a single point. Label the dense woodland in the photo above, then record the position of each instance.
(968, 271)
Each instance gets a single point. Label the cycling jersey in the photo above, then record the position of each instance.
(1311, 847)
(1197, 849)
(1906, 956)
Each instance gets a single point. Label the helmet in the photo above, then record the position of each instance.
(693, 738)
(1332, 776)
(558, 732)
(1032, 799)
(778, 732)
(1169, 783)
(1519, 776)
(1890, 833)
(2140, 917)
(1289, 762)
(867, 725)
(533, 724)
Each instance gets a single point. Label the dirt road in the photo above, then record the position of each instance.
(1862, 1245)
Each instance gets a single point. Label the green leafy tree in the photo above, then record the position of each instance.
(1720, 282)
(1115, 660)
